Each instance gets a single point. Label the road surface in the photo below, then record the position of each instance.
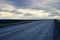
(36, 30)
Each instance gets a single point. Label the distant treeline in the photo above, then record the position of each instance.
(4, 23)
(12, 21)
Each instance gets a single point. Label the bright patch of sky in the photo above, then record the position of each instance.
(30, 9)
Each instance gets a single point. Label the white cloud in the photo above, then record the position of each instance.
(42, 3)
(7, 15)
(56, 17)
(6, 7)
(36, 14)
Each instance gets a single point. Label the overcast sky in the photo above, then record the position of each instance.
(30, 9)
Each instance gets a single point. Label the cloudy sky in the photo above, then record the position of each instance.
(30, 9)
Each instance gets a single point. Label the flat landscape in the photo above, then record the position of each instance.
(29, 29)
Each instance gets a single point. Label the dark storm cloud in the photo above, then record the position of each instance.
(15, 12)
(1, 10)
(54, 14)
(20, 3)
(34, 4)
(28, 14)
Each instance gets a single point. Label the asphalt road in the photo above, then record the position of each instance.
(36, 30)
